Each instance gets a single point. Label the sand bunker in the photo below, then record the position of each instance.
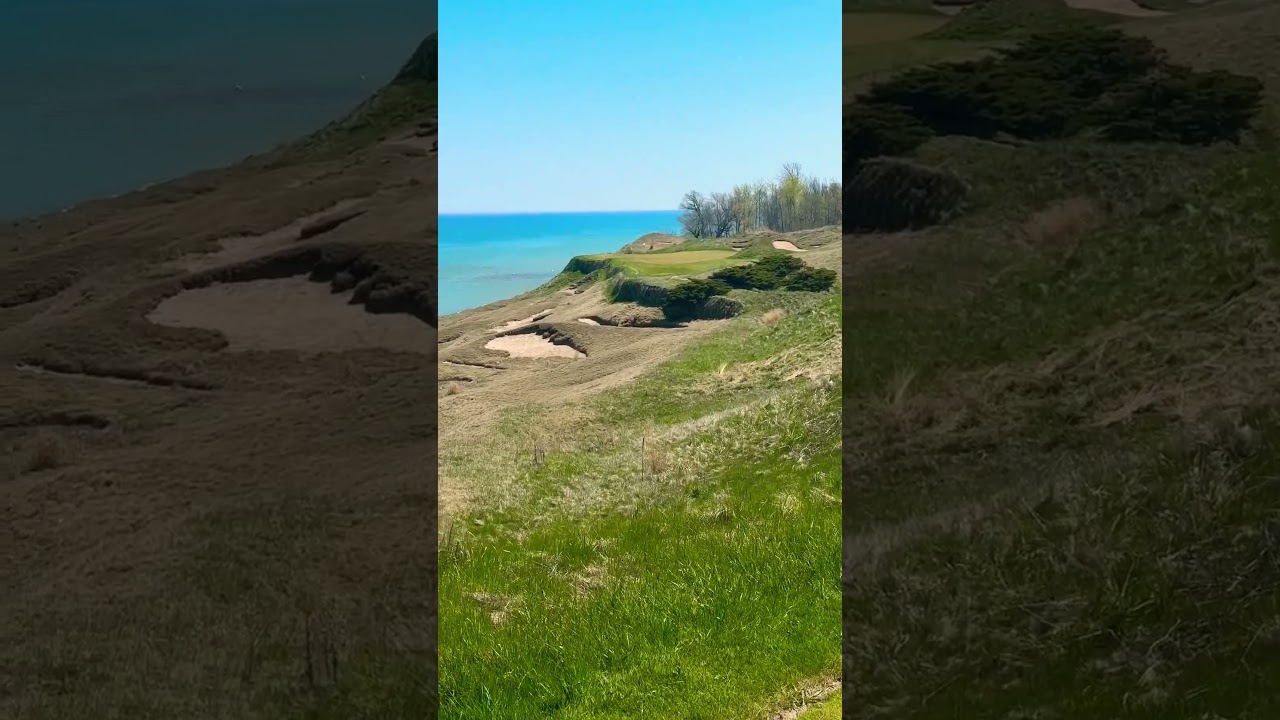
(517, 323)
(786, 245)
(291, 314)
(531, 345)
(1115, 7)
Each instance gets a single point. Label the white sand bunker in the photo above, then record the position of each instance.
(1115, 7)
(531, 345)
(291, 314)
(786, 245)
(517, 323)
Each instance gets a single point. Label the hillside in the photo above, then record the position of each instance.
(579, 422)
(195, 381)
(1060, 419)
(422, 65)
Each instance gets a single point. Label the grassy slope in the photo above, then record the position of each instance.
(878, 42)
(408, 100)
(1062, 455)
(689, 578)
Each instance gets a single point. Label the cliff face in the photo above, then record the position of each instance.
(422, 64)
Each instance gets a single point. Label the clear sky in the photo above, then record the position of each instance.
(599, 105)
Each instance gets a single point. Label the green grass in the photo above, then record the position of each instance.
(397, 107)
(865, 28)
(658, 264)
(1062, 460)
(703, 608)
(878, 44)
(684, 388)
(828, 709)
(1006, 19)
(701, 602)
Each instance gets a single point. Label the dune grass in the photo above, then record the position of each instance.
(703, 599)
(1062, 448)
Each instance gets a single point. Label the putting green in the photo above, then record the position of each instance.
(689, 262)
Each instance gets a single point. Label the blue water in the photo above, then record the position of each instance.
(99, 97)
(485, 258)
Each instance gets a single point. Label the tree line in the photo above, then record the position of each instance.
(793, 201)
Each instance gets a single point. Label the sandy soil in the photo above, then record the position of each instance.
(513, 324)
(292, 314)
(234, 504)
(786, 245)
(616, 356)
(588, 321)
(529, 345)
(1115, 7)
(239, 248)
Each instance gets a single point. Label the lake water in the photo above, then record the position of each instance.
(486, 258)
(99, 98)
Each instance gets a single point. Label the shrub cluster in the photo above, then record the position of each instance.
(1054, 85)
(682, 300)
(774, 271)
(777, 271)
(891, 194)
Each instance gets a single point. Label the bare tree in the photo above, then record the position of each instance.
(695, 218)
(793, 201)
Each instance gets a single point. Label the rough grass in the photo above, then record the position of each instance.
(880, 44)
(1061, 436)
(180, 556)
(864, 28)
(1005, 19)
(558, 603)
(828, 709)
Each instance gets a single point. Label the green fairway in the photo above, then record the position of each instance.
(875, 28)
(876, 43)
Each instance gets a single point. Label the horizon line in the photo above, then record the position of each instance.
(500, 213)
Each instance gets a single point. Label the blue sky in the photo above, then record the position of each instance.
(569, 106)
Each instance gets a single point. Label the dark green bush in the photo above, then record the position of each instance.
(767, 273)
(810, 280)
(682, 300)
(872, 130)
(1180, 105)
(1054, 85)
(890, 194)
(737, 276)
